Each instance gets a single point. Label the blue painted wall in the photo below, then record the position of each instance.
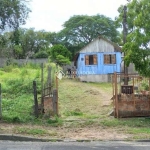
(100, 68)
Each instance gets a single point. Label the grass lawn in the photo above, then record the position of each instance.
(84, 110)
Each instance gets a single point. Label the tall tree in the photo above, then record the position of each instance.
(31, 43)
(79, 30)
(137, 47)
(13, 13)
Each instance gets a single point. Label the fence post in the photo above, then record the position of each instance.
(42, 81)
(57, 94)
(55, 101)
(116, 95)
(0, 101)
(35, 100)
(49, 80)
(149, 92)
(49, 76)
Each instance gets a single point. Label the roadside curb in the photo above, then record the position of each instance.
(11, 137)
(25, 138)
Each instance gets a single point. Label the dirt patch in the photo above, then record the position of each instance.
(93, 92)
(92, 133)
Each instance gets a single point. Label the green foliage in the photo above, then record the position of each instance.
(17, 91)
(60, 54)
(56, 121)
(17, 50)
(17, 109)
(145, 86)
(138, 122)
(13, 13)
(7, 68)
(31, 131)
(76, 112)
(30, 65)
(80, 30)
(137, 48)
(41, 54)
(25, 43)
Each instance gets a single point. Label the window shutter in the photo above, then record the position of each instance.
(86, 60)
(106, 59)
(113, 59)
(95, 59)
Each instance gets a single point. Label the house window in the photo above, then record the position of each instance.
(110, 59)
(91, 60)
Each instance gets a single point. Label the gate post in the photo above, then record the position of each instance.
(116, 95)
(42, 85)
(0, 101)
(35, 100)
(55, 101)
(149, 92)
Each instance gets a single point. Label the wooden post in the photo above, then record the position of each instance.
(113, 92)
(149, 92)
(0, 101)
(55, 102)
(35, 100)
(116, 95)
(133, 97)
(49, 76)
(49, 81)
(42, 81)
(56, 95)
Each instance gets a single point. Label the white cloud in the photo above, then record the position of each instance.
(51, 14)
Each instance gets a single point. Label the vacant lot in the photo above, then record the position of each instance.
(84, 110)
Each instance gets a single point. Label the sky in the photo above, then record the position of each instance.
(49, 15)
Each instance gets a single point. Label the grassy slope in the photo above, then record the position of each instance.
(80, 105)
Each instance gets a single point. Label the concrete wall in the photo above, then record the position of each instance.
(95, 78)
(23, 61)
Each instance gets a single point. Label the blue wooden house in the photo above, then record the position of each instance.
(97, 60)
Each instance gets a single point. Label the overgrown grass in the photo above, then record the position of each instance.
(126, 122)
(80, 104)
(17, 91)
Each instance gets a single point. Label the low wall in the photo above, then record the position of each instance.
(23, 61)
(138, 106)
(96, 78)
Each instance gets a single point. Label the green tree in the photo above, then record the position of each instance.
(80, 30)
(13, 13)
(60, 54)
(137, 47)
(33, 43)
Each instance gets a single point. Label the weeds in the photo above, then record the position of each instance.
(56, 121)
(75, 112)
(31, 131)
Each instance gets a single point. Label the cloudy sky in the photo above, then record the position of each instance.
(50, 15)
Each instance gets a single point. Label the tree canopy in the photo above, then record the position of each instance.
(13, 13)
(80, 30)
(30, 43)
(137, 47)
(60, 54)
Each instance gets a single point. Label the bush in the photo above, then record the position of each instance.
(41, 54)
(7, 68)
